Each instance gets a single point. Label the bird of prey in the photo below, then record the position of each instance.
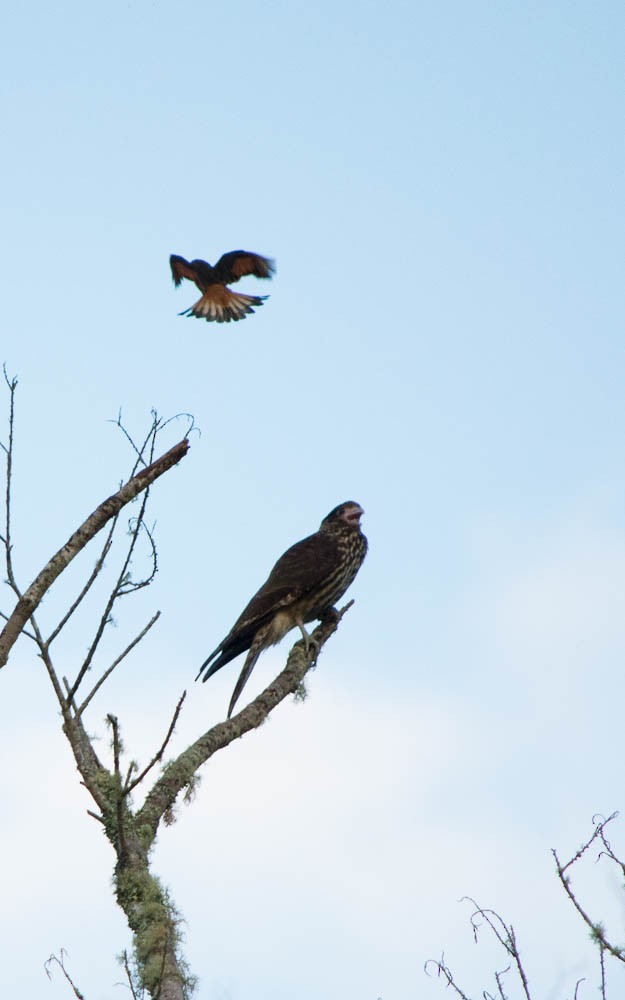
(305, 582)
(219, 303)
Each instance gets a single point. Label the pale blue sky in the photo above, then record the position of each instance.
(442, 189)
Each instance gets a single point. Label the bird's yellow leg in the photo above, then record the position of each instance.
(305, 636)
(309, 642)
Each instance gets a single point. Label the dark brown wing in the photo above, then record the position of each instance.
(302, 568)
(299, 571)
(181, 268)
(236, 264)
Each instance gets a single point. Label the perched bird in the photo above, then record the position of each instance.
(305, 582)
(219, 303)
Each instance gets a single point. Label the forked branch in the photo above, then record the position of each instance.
(32, 597)
(180, 773)
(506, 937)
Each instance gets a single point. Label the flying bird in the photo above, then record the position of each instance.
(305, 582)
(219, 303)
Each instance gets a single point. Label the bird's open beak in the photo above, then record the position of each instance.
(354, 516)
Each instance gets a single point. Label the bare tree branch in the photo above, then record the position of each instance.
(88, 585)
(129, 786)
(504, 934)
(118, 591)
(61, 964)
(507, 939)
(32, 597)
(179, 773)
(116, 662)
(6, 538)
(597, 930)
(25, 631)
(126, 965)
(129, 586)
(443, 970)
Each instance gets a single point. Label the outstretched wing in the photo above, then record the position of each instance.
(181, 268)
(236, 264)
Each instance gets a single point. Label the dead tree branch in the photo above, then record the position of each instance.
(32, 597)
(158, 756)
(179, 773)
(8, 450)
(61, 964)
(443, 970)
(506, 937)
(106, 548)
(597, 930)
(107, 673)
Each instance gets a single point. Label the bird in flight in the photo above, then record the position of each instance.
(219, 303)
(305, 582)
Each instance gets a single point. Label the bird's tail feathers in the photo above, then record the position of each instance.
(248, 666)
(220, 305)
(215, 667)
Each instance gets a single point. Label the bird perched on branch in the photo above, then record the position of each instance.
(305, 582)
(218, 303)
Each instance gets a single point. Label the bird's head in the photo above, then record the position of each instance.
(348, 513)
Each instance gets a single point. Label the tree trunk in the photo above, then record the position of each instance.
(154, 923)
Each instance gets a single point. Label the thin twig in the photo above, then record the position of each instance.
(499, 980)
(140, 459)
(128, 975)
(443, 970)
(128, 788)
(113, 722)
(119, 808)
(596, 929)
(116, 592)
(606, 843)
(130, 586)
(32, 597)
(61, 963)
(602, 964)
(12, 385)
(87, 587)
(506, 937)
(47, 660)
(70, 698)
(115, 663)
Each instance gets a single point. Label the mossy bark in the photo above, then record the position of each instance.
(154, 924)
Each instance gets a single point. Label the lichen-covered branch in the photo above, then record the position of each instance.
(32, 597)
(179, 774)
(597, 930)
